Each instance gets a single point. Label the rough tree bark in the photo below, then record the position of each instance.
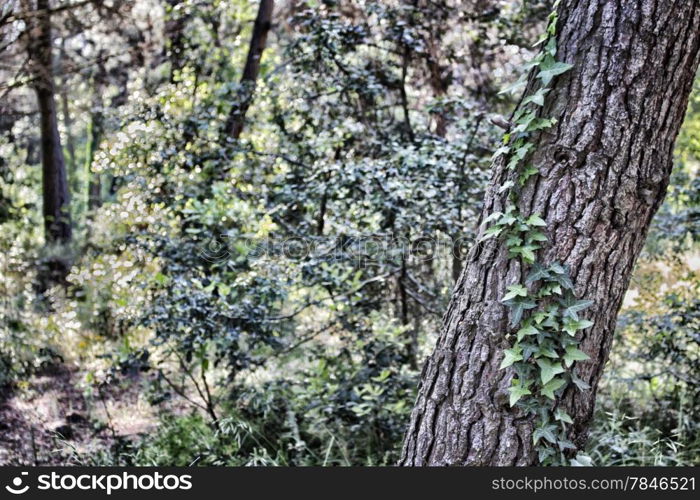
(604, 170)
(263, 22)
(57, 223)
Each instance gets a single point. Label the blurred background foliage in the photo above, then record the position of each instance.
(271, 298)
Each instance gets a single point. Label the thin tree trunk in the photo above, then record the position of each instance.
(174, 34)
(57, 219)
(263, 22)
(68, 124)
(94, 137)
(604, 169)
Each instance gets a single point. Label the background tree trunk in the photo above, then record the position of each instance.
(604, 169)
(174, 49)
(57, 219)
(94, 137)
(67, 120)
(263, 21)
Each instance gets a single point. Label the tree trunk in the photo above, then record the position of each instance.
(175, 38)
(68, 123)
(57, 222)
(263, 21)
(604, 169)
(94, 136)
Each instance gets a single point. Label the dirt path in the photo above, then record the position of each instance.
(50, 420)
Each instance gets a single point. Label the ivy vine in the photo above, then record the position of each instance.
(544, 309)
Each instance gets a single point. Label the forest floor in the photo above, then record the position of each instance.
(49, 419)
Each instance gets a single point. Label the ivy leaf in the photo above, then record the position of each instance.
(546, 432)
(544, 453)
(551, 386)
(539, 316)
(500, 151)
(517, 308)
(528, 351)
(516, 290)
(536, 98)
(565, 444)
(542, 336)
(506, 185)
(491, 218)
(543, 38)
(535, 61)
(518, 85)
(526, 174)
(507, 219)
(513, 163)
(551, 68)
(535, 220)
(571, 327)
(536, 236)
(511, 356)
(490, 233)
(561, 416)
(524, 121)
(537, 273)
(525, 331)
(574, 354)
(522, 151)
(551, 322)
(548, 370)
(517, 392)
(557, 268)
(541, 124)
(564, 280)
(547, 352)
(572, 307)
(514, 241)
(527, 252)
(582, 460)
